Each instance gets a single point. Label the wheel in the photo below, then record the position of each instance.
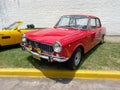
(102, 40)
(75, 60)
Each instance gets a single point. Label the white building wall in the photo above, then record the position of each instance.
(45, 13)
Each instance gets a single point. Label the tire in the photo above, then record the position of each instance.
(102, 40)
(75, 60)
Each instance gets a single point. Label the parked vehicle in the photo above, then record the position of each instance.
(67, 41)
(12, 34)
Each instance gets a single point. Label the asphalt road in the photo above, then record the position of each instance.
(57, 84)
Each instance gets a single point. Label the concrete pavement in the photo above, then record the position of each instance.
(57, 84)
(113, 38)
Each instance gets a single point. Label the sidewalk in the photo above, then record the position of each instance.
(57, 84)
(115, 39)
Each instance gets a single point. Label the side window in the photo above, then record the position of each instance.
(93, 23)
(98, 23)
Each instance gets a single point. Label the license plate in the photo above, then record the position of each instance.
(36, 57)
(38, 50)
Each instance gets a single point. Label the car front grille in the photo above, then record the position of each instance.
(43, 47)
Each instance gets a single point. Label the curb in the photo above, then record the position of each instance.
(82, 74)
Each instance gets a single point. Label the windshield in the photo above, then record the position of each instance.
(12, 25)
(79, 22)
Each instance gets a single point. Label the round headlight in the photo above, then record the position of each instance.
(23, 38)
(57, 47)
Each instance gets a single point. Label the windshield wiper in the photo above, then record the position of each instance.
(67, 26)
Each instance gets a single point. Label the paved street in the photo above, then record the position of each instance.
(57, 84)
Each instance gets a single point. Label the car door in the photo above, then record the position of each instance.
(6, 38)
(80, 23)
(17, 36)
(95, 28)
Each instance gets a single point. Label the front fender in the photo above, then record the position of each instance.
(70, 48)
(80, 45)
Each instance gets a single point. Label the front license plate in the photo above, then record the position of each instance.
(36, 57)
(38, 50)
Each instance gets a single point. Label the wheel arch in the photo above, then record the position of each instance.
(70, 62)
(78, 46)
(82, 48)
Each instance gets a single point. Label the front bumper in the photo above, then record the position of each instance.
(50, 58)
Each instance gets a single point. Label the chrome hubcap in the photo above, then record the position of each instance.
(77, 58)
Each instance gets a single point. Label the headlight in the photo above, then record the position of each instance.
(23, 38)
(57, 47)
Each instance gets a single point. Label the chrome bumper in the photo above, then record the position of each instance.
(48, 57)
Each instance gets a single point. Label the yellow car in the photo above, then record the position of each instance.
(12, 34)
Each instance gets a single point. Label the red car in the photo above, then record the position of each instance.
(67, 41)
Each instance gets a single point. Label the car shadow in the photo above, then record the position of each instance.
(87, 55)
(9, 47)
(44, 65)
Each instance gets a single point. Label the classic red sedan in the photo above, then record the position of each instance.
(67, 41)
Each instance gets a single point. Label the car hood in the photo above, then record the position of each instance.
(51, 35)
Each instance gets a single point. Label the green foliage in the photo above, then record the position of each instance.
(103, 57)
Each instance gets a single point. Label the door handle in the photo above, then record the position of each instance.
(5, 37)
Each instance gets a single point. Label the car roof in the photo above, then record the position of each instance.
(90, 16)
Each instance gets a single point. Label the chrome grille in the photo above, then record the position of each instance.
(43, 47)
